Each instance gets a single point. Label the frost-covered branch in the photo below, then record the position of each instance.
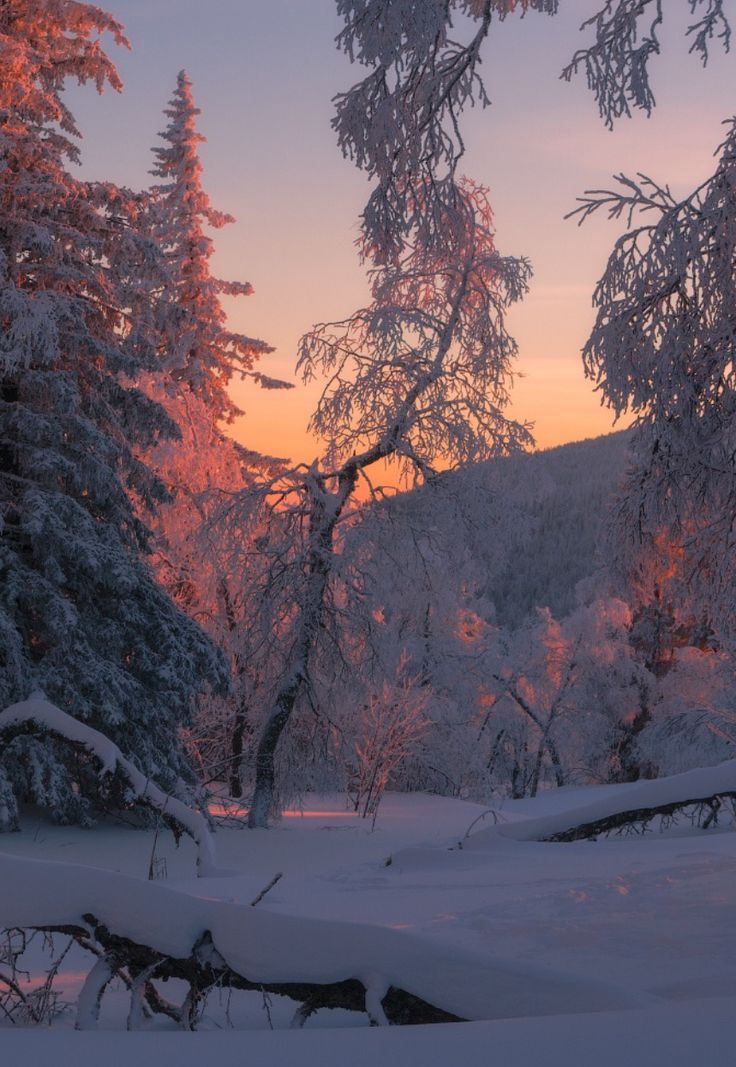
(616, 65)
(401, 123)
(662, 347)
(424, 371)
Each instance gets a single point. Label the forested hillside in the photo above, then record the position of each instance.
(552, 509)
(534, 524)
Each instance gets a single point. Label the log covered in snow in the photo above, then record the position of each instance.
(628, 804)
(152, 931)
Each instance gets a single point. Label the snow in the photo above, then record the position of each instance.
(648, 921)
(699, 1033)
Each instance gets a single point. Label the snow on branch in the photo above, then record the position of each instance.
(425, 370)
(665, 299)
(146, 931)
(38, 713)
(401, 122)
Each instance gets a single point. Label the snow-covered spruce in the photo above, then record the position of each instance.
(199, 351)
(142, 926)
(37, 718)
(80, 614)
(198, 557)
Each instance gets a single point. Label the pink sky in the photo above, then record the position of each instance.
(264, 72)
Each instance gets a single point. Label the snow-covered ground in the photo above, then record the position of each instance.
(650, 918)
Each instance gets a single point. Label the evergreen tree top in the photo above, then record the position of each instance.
(202, 353)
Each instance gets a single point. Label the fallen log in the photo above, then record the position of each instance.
(624, 805)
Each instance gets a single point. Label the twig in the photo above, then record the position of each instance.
(490, 811)
(276, 878)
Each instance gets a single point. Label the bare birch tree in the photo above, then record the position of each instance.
(419, 376)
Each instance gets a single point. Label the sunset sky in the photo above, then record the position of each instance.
(264, 72)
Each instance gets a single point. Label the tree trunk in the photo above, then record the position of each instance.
(547, 743)
(318, 568)
(236, 752)
(9, 394)
(9, 459)
(263, 793)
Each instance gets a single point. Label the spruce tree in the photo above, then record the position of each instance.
(197, 346)
(80, 615)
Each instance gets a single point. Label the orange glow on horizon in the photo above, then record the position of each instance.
(551, 393)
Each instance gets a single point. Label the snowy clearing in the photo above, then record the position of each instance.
(647, 919)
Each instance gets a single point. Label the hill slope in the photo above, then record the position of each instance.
(534, 522)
